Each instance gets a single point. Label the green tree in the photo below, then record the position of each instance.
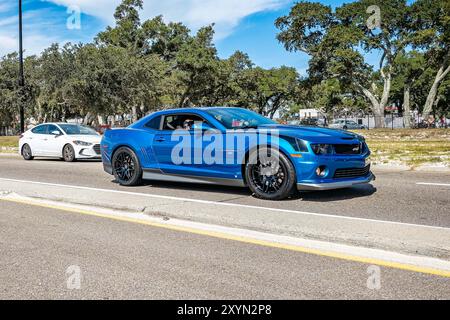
(334, 41)
(431, 25)
(267, 91)
(409, 67)
(198, 63)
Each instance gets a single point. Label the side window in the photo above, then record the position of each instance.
(154, 124)
(40, 129)
(52, 128)
(181, 121)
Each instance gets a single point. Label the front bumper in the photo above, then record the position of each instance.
(335, 185)
(88, 152)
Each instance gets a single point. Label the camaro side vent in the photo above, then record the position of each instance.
(348, 148)
(352, 172)
(97, 149)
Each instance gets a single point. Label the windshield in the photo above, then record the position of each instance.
(232, 118)
(74, 129)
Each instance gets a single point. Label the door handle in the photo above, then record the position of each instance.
(160, 139)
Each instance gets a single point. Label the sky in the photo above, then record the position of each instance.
(245, 25)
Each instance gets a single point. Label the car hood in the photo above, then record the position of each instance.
(315, 134)
(85, 138)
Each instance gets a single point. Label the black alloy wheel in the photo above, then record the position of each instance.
(270, 175)
(126, 167)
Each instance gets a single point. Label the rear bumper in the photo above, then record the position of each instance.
(335, 185)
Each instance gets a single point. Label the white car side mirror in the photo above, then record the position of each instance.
(56, 133)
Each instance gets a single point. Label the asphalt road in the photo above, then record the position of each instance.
(126, 260)
(394, 196)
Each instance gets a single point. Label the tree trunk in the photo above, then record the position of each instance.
(377, 108)
(102, 119)
(40, 116)
(428, 107)
(134, 113)
(406, 106)
(87, 119)
(379, 105)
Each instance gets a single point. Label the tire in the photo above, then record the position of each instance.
(126, 167)
(27, 154)
(68, 153)
(268, 186)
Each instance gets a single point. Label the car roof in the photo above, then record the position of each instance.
(194, 110)
(59, 123)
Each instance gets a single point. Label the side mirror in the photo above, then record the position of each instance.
(56, 133)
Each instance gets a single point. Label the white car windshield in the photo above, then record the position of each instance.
(74, 129)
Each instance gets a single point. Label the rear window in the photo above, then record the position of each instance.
(40, 129)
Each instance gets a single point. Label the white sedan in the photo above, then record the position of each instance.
(60, 140)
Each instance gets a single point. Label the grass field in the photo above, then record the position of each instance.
(411, 148)
(9, 144)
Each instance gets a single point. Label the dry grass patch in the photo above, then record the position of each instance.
(9, 144)
(409, 147)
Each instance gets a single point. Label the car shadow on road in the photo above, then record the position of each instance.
(62, 161)
(209, 188)
(338, 194)
(243, 192)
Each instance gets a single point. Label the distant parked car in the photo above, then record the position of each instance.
(309, 122)
(60, 140)
(346, 124)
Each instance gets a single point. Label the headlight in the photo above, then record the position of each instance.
(322, 149)
(367, 161)
(82, 143)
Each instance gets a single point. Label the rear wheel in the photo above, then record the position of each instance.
(68, 153)
(27, 154)
(270, 175)
(126, 167)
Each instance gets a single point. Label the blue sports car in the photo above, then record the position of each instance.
(236, 147)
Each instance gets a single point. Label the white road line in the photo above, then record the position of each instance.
(433, 184)
(225, 204)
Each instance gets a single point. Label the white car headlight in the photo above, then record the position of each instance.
(82, 143)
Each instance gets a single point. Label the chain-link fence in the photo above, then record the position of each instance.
(8, 131)
(369, 121)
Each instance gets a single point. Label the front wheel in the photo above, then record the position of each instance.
(27, 154)
(126, 167)
(68, 153)
(270, 175)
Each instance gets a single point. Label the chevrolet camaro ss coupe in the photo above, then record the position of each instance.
(235, 147)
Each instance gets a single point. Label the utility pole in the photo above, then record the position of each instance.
(21, 76)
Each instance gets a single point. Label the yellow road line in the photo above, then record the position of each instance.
(372, 261)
